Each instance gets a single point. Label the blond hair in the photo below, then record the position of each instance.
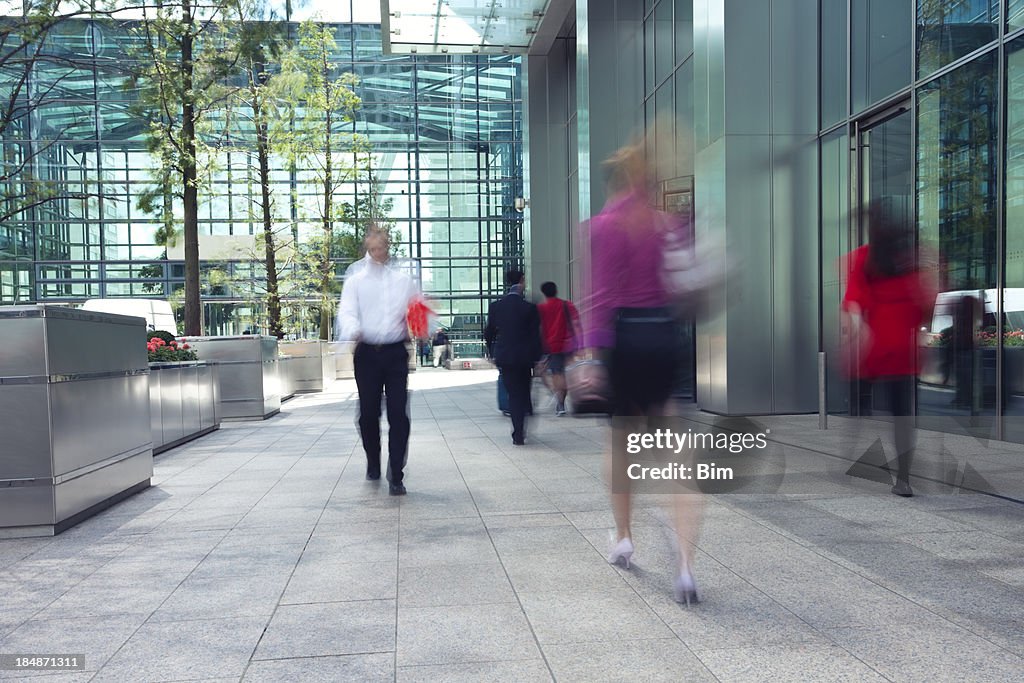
(626, 168)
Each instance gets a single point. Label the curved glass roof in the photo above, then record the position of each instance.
(460, 26)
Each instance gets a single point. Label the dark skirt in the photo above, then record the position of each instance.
(645, 361)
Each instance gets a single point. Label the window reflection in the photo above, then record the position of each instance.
(1013, 294)
(881, 50)
(956, 154)
(950, 29)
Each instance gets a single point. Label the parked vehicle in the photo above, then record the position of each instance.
(158, 314)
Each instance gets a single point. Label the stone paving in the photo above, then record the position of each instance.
(262, 554)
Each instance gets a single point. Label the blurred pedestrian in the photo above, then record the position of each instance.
(513, 341)
(961, 346)
(888, 298)
(559, 321)
(373, 312)
(629, 322)
(440, 347)
(425, 346)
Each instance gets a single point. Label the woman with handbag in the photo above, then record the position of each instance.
(629, 324)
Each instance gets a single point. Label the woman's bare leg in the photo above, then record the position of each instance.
(616, 462)
(687, 508)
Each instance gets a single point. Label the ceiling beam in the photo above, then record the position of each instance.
(555, 16)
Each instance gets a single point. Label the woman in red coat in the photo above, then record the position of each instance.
(888, 299)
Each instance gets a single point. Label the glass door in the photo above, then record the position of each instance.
(884, 178)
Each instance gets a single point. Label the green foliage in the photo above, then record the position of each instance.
(319, 104)
(23, 41)
(165, 87)
(153, 272)
(160, 334)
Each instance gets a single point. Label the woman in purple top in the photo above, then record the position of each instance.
(628, 323)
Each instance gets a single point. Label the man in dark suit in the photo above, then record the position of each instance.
(513, 341)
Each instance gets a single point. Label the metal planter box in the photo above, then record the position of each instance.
(74, 413)
(311, 364)
(344, 367)
(184, 402)
(285, 372)
(469, 355)
(344, 363)
(250, 388)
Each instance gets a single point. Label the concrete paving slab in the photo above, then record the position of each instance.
(262, 550)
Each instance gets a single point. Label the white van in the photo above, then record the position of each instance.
(946, 305)
(158, 314)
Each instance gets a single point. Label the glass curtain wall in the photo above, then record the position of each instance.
(668, 122)
(957, 66)
(446, 162)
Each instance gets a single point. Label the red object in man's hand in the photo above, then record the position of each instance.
(418, 317)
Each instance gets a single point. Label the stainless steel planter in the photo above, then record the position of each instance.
(344, 367)
(344, 364)
(285, 372)
(311, 365)
(250, 388)
(74, 416)
(184, 400)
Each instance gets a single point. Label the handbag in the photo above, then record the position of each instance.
(688, 274)
(589, 387)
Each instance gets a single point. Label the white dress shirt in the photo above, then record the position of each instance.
(374, 304)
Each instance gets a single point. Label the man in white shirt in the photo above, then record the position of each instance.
(374, 305)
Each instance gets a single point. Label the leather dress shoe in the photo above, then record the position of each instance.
(396, 489)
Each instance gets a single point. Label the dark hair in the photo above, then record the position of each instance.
(549, 289)
(513, 277)
(890, 242)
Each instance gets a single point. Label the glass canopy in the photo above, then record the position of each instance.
(460, 26)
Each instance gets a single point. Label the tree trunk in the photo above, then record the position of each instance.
(263, 153)
(326, 271)
(190, 226)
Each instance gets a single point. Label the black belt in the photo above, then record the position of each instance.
(654, 314)
(381, 347)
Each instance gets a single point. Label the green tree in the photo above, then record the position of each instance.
(317, 135)
(185, 53)
(370, 208)
(261, 40)
(24, 49)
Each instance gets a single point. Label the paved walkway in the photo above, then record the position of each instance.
(261, 554)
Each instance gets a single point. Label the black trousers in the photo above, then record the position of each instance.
(517, 382)
(899, 392)
(383, 370)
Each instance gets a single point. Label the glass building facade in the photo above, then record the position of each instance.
(785, 120)
(446, 137)
(920, 110)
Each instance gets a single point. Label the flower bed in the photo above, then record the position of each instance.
(164, 348)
